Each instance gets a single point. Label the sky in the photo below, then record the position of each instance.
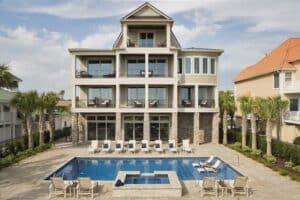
(35, 34)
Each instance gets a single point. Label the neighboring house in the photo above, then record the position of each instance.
(278, 73)
(10, 123)
(147, 86)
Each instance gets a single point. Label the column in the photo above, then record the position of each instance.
(118, 65)
(146, 135)
(168, 37)
(81, 129)
(215, 128)
(175, 77)
(117, 96)
(74, 129)
(146, 65)
(124, 27)
(73, 67)
(146, 95)
(196, 96)
(197, 133)
(118, 134)
(174, 127)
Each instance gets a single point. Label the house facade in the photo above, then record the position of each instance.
(278, 73)
(146, 86)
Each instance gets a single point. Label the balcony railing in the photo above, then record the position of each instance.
(5, 116)
(186, 103)
(159, 103)
(145, 44)
(206, 103)
(95, 103)
(85, 74)
(292, 116)
(136, 103)
(292, 86)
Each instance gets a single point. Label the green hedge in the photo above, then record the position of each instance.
(297, 140)
(283, 150)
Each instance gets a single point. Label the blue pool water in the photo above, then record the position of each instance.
(138, 179)
(108, 168)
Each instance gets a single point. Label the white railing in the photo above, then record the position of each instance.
(5, 116)
(292, 86)
(292, 116)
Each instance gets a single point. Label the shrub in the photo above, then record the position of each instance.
(270, 158)
(297, 141)
(297, 168)
(288, 164)
(256, 152)
(246, 149)
(237, 145)
(283, 172)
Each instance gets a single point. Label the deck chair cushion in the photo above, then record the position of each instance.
(144, 146)
(171, 145)
(157, 146)
(105, 146)
(118, 146)
(130, 146)
(119, 183)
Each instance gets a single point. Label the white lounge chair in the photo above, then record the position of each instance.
(86, 187)
(106, 147)
(209, 185)
(58, 187)
(213, 168)
(239, 186)
(206, 163)
(119, 146)
(186, 146)
(94, 147)
(172, 146)
(132, 146)
(145, 146)
(158, 146)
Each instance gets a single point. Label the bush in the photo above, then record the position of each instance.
(297, 168)
(270, 158)
(256, 152)
(288, 164)
(297, 141)
(237, 145)
(246, 149)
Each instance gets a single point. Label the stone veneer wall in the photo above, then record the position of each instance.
(185, 126)
(206, 120)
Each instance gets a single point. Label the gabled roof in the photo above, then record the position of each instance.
(146, 10)
(280, 58)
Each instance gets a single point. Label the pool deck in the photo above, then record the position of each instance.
(25, 180)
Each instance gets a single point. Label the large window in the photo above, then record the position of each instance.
(179, 65)
(133, 127)
(276, 80)
(136, 67)
(159, 127)
(100, 93)
(158, 67)
(146, 39)
(212, 65)
(136, 95)
(205, 63)
(187, 65)
(186, 93)
(101, 68)
(294, 104)
(197, 66)
(288, 77)
(101, 127)
(160, 95)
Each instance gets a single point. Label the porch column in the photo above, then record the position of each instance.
(215, 128)
(168, 38)
(174, 127)
(81, 128)
(74, 129)
(196, 128)
(119, 135)
(124, 27)
(146, 135)
(196, 96)
(146, 95)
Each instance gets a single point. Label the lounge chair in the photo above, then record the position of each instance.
(158, 146)
(172, 146)
(119, 146)
(137, 103)
(105, 103)
(145, 146)
(239, 186)
(187, 103)
(132, 146)
(206, 163)
(213, 168)
(58, 187)
(106, 146)
(94, 146)
(86, 187)
(209, 185)
(186, 146)
(153, 103)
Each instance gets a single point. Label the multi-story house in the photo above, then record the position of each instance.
(146, 86)
(278, 73)
(10, 123)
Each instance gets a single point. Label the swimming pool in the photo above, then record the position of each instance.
(107, 168)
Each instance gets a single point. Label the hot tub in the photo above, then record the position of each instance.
(147, 179)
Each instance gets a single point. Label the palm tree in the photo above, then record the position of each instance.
(41, 109)
(7, 80)
(281, 106)
(227, 105)
(51, 100)
(27, 104)
(254, 110)
(246, 107)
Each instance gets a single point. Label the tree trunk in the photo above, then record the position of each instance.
(51, 127)
(74, 129)
(42, 127)
(253, 131)
(269, 137)
(225, 127)
(29, 130)
(244, 129)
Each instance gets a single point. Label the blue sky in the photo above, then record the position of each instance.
(35, 34)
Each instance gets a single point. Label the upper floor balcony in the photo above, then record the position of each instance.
(206, 97)
(292, 86)
(292, 117)
(6, 117)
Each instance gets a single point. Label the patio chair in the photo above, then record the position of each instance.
(187, 103)
(145, 146)
(106, 147)
(158, 146)
(86, 187)
(137, 103)
(132, 146)
(206, 163)
(209, 185)
(58, 187)
(119, 146)
(105, 103)
(94, 147)
(239, 186)
(213, 168)
(186, 146)
(153, 103)
(172, 146)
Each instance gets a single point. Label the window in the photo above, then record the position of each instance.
(205, 66)
(160, 94)
(158, 68)
(197, 67)
(133, 127)
(159, 127)
(146, 40)
(136, 67)
(187, 64)
(276, 80)
(288, 77)
(100, 68)
(136, 94)
(179, 66)
(186, 93)
(212, 65)
(101, 128)
(294, 105)
(100, 93)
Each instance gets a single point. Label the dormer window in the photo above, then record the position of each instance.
(146, 39)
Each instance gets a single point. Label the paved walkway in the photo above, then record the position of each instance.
(25, 179)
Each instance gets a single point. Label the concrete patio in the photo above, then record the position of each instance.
(25, 180)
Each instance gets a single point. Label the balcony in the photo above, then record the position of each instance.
(292, 117)
(136, 103)
(159, 103)
(86, 74)
(291, 86)
(95, 103)
(186, 103)
(206, 103)
(5, 116)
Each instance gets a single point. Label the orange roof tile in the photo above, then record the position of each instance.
(280, 58)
